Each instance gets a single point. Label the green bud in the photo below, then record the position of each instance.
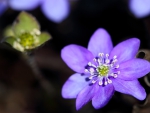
(25, 33)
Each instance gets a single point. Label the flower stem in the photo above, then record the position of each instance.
(43, 82)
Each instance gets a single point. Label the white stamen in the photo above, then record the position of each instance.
(114, 61)
(115, 57)
(115, 75)
(95, 59)
(105, 83)
(90, 77)
(101, 54)
(86, 70)
(94, 65)
(117, 66)
(109, 81)
(102, 69)
(90, 64)
(107, 55)
(100, 83)
(111, 65)
(99, 61)
(92, 73)
(93, 81)
(92, 70)
(107, 61)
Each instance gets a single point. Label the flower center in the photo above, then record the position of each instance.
(102, 69)
(26, 40)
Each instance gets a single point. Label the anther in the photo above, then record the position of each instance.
(117, 66)
(115, 60)
(105, 83)
(93, 81)
(107, 55)
(109, 81)
(86, 70)
(93, 65)
(107, 61)
(115, 76)
(90, 64)
(91, 70)
(101, 54)
(100, 83)
(111, 65)
(99, 61)
(90, 77)
(115, 57)
(95, 59)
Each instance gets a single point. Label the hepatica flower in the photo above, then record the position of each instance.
(101, 70)
(25, 34)
(140, 8)
(55, 10)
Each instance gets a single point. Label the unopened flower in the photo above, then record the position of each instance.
(101, 70)
(140, 8)
(27, 40)
(25, 34)
(55, 10)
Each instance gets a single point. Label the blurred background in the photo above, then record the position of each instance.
(24, 91)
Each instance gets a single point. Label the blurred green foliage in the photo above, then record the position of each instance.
(25, 35)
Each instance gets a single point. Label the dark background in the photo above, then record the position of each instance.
(23, 91)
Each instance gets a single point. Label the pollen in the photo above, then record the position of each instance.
(26, 40)
(102, 70)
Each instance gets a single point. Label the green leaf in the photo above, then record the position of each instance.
(43, 37)
(14, 43)
(25, 23)
(8, 31)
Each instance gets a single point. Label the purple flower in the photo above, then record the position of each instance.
(102, 69)
(140, 8)
(55, 10)
(3, 6)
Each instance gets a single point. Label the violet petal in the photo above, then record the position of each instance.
(76, 57)
(86, 95)
(133, 69)
(140, 8)
(24, 4)
(103, 95)
(100, 42)
(56, 10)
(74, 85)
(130, 87)
(125, 50)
